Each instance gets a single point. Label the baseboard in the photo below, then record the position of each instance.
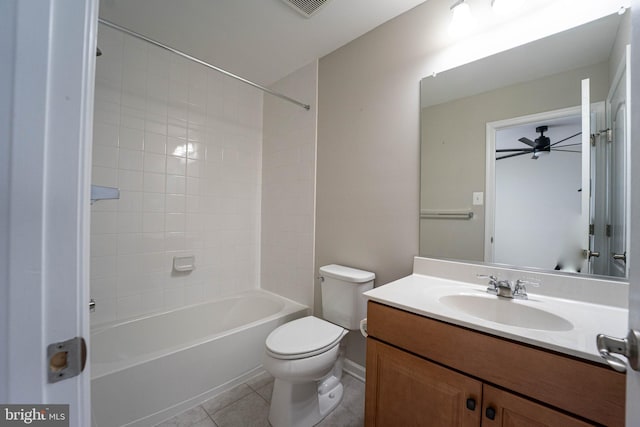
(354, 369)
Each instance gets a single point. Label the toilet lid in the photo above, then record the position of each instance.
(303, 338)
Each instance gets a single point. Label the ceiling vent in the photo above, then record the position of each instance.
(306, 7)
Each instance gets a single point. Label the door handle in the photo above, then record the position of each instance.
(627, 347)
(590, 254)
(620, 257)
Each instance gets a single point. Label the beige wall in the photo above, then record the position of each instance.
(368, 156)
(454, 150)
(368, 141)
(288, 187)
(367, 177)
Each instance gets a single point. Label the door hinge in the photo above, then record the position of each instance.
(608, 230)
(607, 132)
(66, 359)
(592, 229)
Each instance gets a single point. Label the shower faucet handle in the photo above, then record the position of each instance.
(92, 305)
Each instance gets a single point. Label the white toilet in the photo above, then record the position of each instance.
(305, 356)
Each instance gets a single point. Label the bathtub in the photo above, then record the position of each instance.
(148, 369)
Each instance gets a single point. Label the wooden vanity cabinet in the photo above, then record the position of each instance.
(423, 372)
(504, 409)
(411, 391)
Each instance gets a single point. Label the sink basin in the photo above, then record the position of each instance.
(506, 311)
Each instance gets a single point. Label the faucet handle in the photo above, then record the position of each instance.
(520, 291)
(493, 282)
(491, 277)
(533, 282)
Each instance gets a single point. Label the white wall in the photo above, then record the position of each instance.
(183, 144)
(537, 204)
(288, 187)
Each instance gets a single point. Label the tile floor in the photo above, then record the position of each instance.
(247, 405)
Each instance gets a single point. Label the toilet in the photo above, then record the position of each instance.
(305, 356)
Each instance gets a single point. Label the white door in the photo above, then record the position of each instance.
(585, 217)
(633, 377)
(617, 150)
(48, 54)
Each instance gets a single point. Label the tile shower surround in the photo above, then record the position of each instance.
(183, 144)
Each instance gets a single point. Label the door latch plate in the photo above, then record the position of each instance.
(66, 359)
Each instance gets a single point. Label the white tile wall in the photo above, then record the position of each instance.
(183, 143)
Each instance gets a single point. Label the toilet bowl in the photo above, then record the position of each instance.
(305, 356)
(302, 357)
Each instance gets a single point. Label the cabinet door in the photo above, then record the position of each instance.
(503, 409)
(405, 390)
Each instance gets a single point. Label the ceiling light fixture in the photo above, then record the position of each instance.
(462, 20)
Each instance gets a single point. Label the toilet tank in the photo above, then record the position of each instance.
(342, 299)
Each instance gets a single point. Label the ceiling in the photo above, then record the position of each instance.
(261, 40)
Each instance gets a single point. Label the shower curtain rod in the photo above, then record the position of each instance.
(206, 64)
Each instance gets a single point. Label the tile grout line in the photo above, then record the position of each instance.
(228, 404)
(210, 416)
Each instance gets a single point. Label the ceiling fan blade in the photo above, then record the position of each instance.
(568, 145)
(513, 155)
(507, 150)
(527, 141)
(569, 137)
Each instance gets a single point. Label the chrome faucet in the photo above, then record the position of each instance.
(506, 288)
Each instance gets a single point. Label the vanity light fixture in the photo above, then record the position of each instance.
(462, 20)
(505, 7)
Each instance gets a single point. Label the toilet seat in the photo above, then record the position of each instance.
(304, 337)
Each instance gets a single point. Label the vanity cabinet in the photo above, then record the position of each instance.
(424, 372)
(411, 391)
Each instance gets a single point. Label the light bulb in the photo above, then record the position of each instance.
(462, 20)
(506, 7)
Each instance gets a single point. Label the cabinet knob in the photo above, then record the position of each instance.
(471, 404)
(490, 413)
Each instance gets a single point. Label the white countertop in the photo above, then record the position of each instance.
(420, 294)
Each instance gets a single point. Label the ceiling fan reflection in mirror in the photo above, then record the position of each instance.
(542, 144)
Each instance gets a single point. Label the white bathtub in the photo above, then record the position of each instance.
(148, 369)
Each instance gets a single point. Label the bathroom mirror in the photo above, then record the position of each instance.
(494, 190)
